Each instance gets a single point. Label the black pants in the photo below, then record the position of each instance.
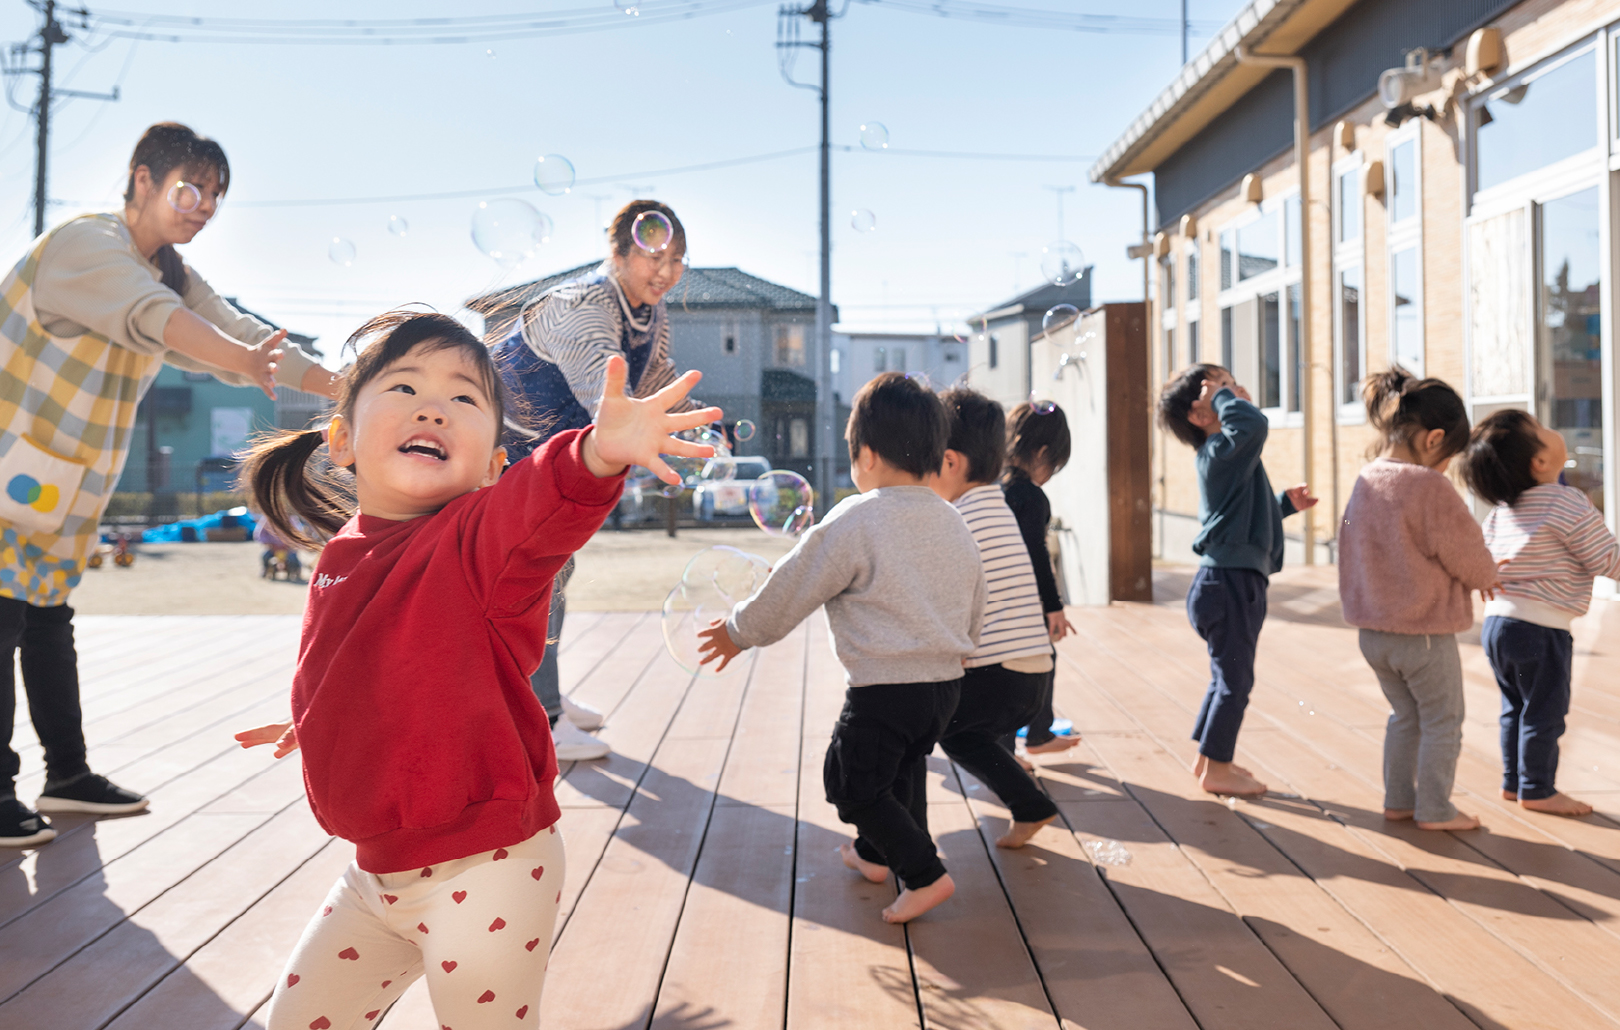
(1227, 607)
(876, 772)
(996, 699)
(1533, 666)
(50, 669)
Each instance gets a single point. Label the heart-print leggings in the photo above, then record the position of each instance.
(479, 927)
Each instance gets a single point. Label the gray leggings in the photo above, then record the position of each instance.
(1421, 675)
(545, 681)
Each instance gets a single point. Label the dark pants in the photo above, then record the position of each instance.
(1533, 669)
(1227, 607)
(50, 669)
(1039, 719)
(546, 682)
(876, 772)
(994, 700)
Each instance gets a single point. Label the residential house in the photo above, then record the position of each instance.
(999, 339)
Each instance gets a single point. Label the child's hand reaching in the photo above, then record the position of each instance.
(1300, 497)
(716, 643)
(1058, 625)
(635, 432)
(281, 734)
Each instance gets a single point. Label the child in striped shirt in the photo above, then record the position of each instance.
(1552, 542)
(1006, 675)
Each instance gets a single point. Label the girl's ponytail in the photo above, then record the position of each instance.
(1401, 406)
(294, 498)
(1381, 393)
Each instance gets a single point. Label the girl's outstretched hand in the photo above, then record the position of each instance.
(281, 734)
(635, 432)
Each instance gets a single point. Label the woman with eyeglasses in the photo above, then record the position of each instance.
(555, 361)
(88, 315)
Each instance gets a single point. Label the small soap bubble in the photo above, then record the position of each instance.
(1062, 263)
(1108, 852)
(1231, 802)
(782, 503)
(863, 220)
(509, 230)
(652, 232)
(671, 490)
(874, 136)
(745, 430)
(1057, 316)
(184, 197)
(398, 225)
(490, 54)
(628, 7)
(1041, 406)
(694, 468)
(554, 174)
(341, 251)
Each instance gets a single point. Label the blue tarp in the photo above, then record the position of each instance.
(197, 529)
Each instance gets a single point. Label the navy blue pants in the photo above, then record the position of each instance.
(1533, 668)
(1227, 607)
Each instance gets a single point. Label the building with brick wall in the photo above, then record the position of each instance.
(1461, 225)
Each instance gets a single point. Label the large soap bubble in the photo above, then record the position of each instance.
(782, 503)
(341, 251)
(875, 136)
(863, 220)
(695, 468)
(652, 232)
(1058, 316)
(1062, 263)
(509, 230)
(733, 572)
(554, 174)
(714, 581)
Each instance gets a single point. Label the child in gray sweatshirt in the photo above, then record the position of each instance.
(899, 574)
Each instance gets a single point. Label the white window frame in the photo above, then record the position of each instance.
(1348, 256)
(1401, 236)
(1277, 281)
(1169, 313)
(1192, 305)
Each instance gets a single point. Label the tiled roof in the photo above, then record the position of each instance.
(698, 288)
(1044, 296)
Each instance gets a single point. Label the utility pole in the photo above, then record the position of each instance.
(1184, 33)
(1059, 191)
(51, 35)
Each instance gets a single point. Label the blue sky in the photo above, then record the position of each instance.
(314, 122)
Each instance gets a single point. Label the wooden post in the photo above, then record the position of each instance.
(669, 513)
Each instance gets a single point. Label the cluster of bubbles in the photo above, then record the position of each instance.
(509, 230)
(863, 220)
(782, 503)
(1062, 263)
(628, 7)
(874, 136)
(1058, 316)
(720, 466)
(1108, 852)
(341, 251)
(714, 581)
(652, 232)
(184, 197)
(554, 175)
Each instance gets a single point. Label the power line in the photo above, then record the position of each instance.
(1037, 18)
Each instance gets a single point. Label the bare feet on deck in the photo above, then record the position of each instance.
(1460, 821)
(1054, 746)
(1226, 778)
(1018, 834)
(913, 903)
(1398, 815)
(1558, 804)
(871, 870)
(1202, 765)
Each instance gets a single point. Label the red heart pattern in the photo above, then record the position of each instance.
(427, 871)
(553, 827)
(530, 947)
(373, 1013)
(422, 927)
(326, 911)
(350, 954)
(458, 897)
(390, 898)
(292, 978)
(500, 853)
(538, 871)
(523, 1012)
(321, 1024)
(486, 997)
(387, 982)
(449, 967)
(559, 897)
(498, 924)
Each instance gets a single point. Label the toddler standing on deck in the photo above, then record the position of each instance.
(899, 574)
(1553, 542)
(1409, 554)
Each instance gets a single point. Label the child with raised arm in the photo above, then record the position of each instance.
(1240, 544)
(899, 574)
(423, 743)
(1007, 676)
(1552, 543)
(1409, 554)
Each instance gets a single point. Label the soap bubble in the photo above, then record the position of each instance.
(1062, 263)
(735, 573)
(713, 582)
(184, 197)
(341, 251)
(1058, 316)
(398, 225)
(1108, 852)
(1041, 407)
(695, 468)
(652, 232)
(628, 7)
(874, 136)
(782, 503)
(863, 220)
(745, 430)
(509, 230)
(554, 174)
(670, 490)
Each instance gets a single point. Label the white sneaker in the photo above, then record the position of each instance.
(575, 745)
(581, 715)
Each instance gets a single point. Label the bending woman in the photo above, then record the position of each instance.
(87, 317)
(555, 364)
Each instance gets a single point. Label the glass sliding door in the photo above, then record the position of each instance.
(1569, 396)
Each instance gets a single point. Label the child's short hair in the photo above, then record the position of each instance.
(1496, 463)
(1037, 433)
(901, 421)
(1176, 400)
(1400, 405)
(978, 432)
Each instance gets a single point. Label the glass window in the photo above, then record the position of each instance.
(1170, 283)
(993, 350)
(1350, 206)
(1226, 338)
(799, 438)
(1406, 345)
(1270, 352)
(880, 360)
(1291, 227)
(1192, 272)
(835, 360)
(899, 359)
(1228, 242)
(1296, 358)
(1350, 334)
(790, 345)
(1535, 123)
(1192, 343)
(1257, 247)
(1569, 390)
(1169, 352)
(1403, 181)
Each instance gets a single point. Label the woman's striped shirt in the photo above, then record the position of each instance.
(1554, 542)
(1014, 626)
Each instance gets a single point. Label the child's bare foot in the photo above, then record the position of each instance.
(1023, 761)
(1018, 834)
(1460, 821)
(1558, 804)
(1203, 764)
(1508, 795)
(1226, 778)
(1398, 815)
(871, 870)
(913, 903)
(1054, 746)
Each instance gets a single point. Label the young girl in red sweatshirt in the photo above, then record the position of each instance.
(423, 743)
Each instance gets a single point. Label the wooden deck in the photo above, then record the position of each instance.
(704, 890)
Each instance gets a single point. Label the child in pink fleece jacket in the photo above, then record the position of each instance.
(1410, 552)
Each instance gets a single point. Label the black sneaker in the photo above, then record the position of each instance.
(88, 792)
(21, 826)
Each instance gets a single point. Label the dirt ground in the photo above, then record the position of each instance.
(630, 571)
